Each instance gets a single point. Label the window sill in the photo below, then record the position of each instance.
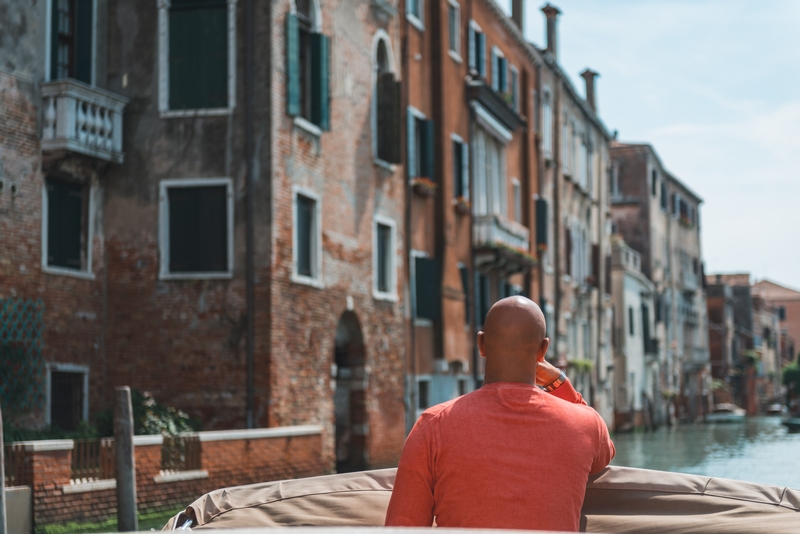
(455, 56)
(307, 281)
(183, 113)
(421, 321)
(415, 21)
(196, 276)
(386, 297)
(308, 127)
(383, 164)
(63, 271)
(178, 476)
(84, 487)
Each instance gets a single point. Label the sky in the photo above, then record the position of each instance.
(714, 87)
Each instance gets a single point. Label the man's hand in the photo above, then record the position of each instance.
(546, 373)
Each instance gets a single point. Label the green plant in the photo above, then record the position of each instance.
(581, 366)
(150, 417)
(147, 521)
(719, 385)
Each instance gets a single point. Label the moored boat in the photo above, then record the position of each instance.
(726, 413)
(792, 423)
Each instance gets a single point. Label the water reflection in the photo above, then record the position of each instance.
(758, 450)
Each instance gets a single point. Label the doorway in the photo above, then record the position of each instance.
(349, 396)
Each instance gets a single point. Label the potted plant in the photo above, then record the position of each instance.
(462, 205)
(424, 187)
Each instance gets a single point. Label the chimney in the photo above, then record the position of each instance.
(589, 76)
(518, 14)
(551, 12)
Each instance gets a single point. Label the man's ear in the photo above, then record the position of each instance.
(481, 350)
(543, 349)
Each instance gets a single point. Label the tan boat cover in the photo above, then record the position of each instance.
(619, 499)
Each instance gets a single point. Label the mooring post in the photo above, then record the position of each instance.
(127, 521)
(2, 478)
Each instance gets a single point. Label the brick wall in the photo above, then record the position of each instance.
(228, 458)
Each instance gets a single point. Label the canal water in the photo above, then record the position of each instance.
(757, 450)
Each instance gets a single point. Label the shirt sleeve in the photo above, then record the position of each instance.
(411, 504)
(605, 450)
(566, 392)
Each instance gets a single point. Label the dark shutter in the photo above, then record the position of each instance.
(471, 51)
(54, 40)
(64, 224)
(320, 102)
(657, 303)
(595, 265)
(383, 263)
(480, 50)
(427, 143)
(495, 71)
(198, 229)
(458, 178)
(83, 40)
(464, 272)
(646, 328)
(198, 55)
(428, 282)
(541, 221)
(515, 90)
(292, 65)
(389, 118)
(305, 227)
(608, 275)
(568, 250)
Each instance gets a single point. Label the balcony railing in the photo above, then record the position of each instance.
(501, 244)
(83, 119)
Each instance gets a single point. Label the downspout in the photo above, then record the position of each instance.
(473, 320)
(540, 175)
(440, 143)
(556, 212)
(249, 233)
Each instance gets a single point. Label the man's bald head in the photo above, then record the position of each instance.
(513, 340)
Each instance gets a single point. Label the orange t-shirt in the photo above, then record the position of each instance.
(508, 455)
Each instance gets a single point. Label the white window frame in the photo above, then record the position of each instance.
(66, 368)
(49, 36)
(416, 253)
(417, 21)
(497, 54)
(516, 199)
(390, 295)
(163, 66)
(380, 35)
(316, 246)
(454, 54)
(465, 164)
(423, 378)
(88, 273)
(547, 123)
(163, 227)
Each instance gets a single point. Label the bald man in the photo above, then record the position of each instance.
(516, 453)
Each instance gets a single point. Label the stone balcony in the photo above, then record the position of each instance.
(82, 119)
(501, 244)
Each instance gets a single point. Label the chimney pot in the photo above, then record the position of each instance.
(589, 77)
(552, 12)
(518, 14)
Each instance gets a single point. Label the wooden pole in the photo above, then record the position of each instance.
(127, 521)
(2, 479)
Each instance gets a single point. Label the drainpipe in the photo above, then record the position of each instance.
(558, 267)
(249, 234)
(540, 175)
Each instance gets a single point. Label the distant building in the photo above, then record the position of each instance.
(786, 303)
(659, 217)
(637, 369)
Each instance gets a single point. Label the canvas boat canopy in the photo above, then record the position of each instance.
(619, 500)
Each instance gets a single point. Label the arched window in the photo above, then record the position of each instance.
(385, 102)
(307, 64)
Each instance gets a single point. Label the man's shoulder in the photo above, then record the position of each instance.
(582, 412)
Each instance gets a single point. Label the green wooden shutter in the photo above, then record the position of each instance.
(320, 102)
(465, 169)
(292, 66)
(54, 40)
(480, 39)
(515, 90)
(495, 71)
(428, 147)
(464, 272)
(471, 51)
(83, 40)
(411, 145)
(428, 283)
(541, 221)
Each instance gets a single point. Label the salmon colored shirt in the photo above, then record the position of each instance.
(508, 455)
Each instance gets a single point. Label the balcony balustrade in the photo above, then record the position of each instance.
(501, 244)
(82, 119)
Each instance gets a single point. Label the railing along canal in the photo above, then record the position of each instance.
(93, 459)
(181, 453)
(14, 464)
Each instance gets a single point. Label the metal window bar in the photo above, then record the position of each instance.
(93, 459)
(181, 453)
(14, 460)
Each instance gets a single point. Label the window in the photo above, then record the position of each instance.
(385, 103)
(630, 320)
(489, 173)
(781, 311)
(566, 144)
(499, 71)
(66, 227)
(583, 163)
(420, 145)
(196, 228)
(615, 192)
(463, 271)
(454, 24)
(514, 89)
(72, 40)
(197, 59)
(654, 182)
(427, 279)
(477, 50)
(664, 197)
(383, 260)
(547, 125)
(517, 199)
(307, 238)
(68, 402)
(676, 206)
(460, 167)
(414, 13)
(307, 66)
(423, 398)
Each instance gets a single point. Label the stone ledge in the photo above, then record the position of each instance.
(260, 433)
(82, 487)
(178, 476)
(49, 445)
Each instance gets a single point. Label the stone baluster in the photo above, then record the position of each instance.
(80, 124)
(50, 119)
(109, 126)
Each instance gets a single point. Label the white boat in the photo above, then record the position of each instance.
(726, 413)
(618, 499)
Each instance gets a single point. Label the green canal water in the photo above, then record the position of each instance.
(757, 450)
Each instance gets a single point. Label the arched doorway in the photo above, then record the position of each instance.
(349, 396)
